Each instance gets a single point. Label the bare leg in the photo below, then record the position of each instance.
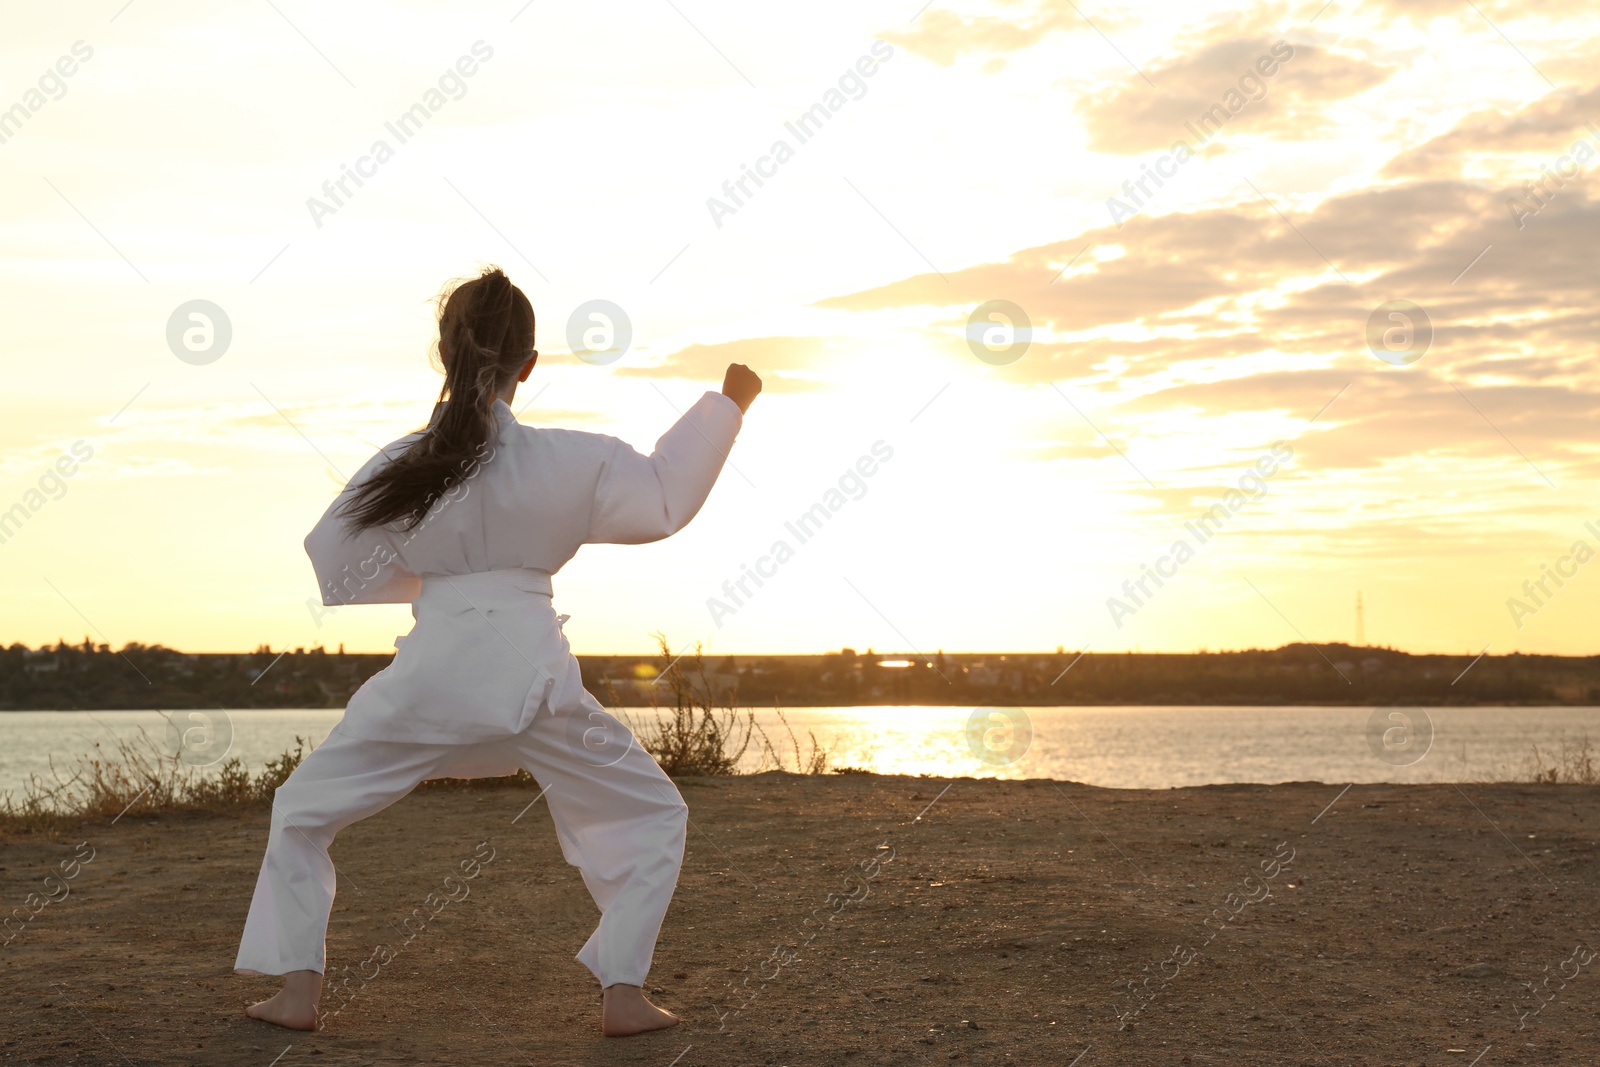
(295, 1005)
(625, 1012)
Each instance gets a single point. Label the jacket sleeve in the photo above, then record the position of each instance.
(645, 498)
(358, 567)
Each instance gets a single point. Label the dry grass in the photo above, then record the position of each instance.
(1572, 763)
(700, 734)
(703, 734)
(816, 762)
(108, 781)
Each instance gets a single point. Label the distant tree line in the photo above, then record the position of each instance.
(96, 677)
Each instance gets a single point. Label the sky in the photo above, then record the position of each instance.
(1008, 265)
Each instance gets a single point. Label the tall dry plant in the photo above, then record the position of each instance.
(702, 733)
(1572, 764)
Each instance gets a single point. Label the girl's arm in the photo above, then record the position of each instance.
(645, 498)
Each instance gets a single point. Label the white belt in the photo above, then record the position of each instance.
(519, 579)
(479, 586)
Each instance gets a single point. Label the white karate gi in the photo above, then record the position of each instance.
(484, 683)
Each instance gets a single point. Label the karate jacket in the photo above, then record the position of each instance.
(486, 651)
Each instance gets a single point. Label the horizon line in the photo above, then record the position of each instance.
(880, 654)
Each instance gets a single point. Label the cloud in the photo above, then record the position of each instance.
(944, 36)
(1427, 10)
(786, 364)
(1221, 84)
(1236, 311)
(1548, 125)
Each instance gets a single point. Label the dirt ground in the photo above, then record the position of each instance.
(858, 919)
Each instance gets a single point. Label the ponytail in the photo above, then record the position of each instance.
(485, 337)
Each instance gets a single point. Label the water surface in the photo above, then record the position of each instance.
(1132, 747)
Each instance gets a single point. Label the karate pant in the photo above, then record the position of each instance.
(621, 825)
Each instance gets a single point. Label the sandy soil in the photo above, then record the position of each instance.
(1408, 925)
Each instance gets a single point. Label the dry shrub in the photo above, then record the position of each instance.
(702, 733)
(1573, 764)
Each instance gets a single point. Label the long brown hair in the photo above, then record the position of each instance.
(485, 337)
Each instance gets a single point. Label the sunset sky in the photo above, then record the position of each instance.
(1177, 334)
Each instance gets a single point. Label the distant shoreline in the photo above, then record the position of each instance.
(1308, 705)
(88, 677)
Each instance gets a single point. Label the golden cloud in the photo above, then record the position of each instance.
(786, 364)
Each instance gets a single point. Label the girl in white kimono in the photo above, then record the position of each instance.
(467, 520)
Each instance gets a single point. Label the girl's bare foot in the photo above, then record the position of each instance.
(625, 1011)
(295, 1005)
